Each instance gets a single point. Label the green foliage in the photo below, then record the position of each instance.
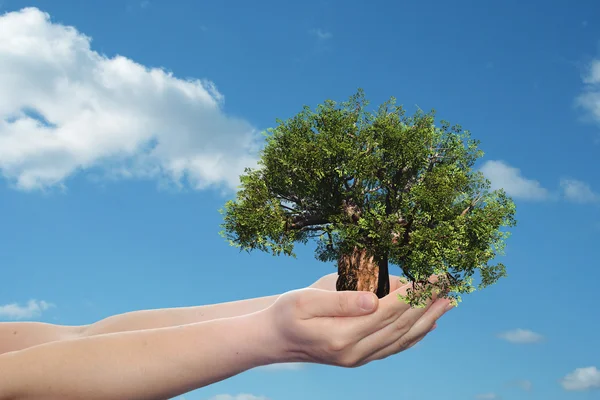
(397, 185)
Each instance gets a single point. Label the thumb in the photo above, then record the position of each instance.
(326, 303)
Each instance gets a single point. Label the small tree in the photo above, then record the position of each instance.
(374, 188)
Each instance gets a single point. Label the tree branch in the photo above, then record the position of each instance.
(408, 274)
(432, 161)
(303, 221)
(289, 208)
(472, 205)
(452, 278)
(290, 199)
(313, 228)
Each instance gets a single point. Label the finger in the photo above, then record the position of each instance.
(427, 322)
(395, 306)
(388, 310)
(386, 331)
(391, 349)
(413, 343)
(414, 313)
(395, 283)
(392, 330)
(406, 341)
(324, 303)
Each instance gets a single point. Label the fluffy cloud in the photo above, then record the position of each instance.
(242, 396)
(521, 336)
(589, 99)
(578, 192)
(32, 309)
(65, 109)
(503, 176)
(582, 379)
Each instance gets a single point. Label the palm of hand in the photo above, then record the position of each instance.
(328, 282)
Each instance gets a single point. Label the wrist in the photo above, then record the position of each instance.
(249, 339)
(265, 342)
(276, 345)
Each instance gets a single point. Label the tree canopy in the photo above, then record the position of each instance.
(398, 186)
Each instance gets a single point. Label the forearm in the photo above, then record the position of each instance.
(140, 365)
(150, 319)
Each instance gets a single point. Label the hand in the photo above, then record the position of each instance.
(328, 282)
(349, 328)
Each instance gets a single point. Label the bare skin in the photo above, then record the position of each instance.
(164, 353)
(20, 335)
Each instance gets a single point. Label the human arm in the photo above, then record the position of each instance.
(301, 326)
(165, 317)
(20, 335)
(16, 336)
(138, 365)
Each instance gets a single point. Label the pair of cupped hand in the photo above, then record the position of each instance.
(349, 329)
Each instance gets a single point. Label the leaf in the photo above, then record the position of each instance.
(400, 186)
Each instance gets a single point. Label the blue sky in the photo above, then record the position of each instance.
(151, 109)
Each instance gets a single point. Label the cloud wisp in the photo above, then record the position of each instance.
(487, 396)
(32, 309)
(589, 99)
(521, 336)
(523, 384)
(578, 191)
(321, 34)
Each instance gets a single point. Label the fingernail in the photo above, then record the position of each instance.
(449, 307)
(366, 302)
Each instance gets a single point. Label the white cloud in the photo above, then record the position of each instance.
(502, 175)
(321, 34)
(578, 192)
(32, 309)
(487, 396)
(242, 396)
(582, 379)
(589, 99)
(284, 367)
(521, 336)
(66, 109)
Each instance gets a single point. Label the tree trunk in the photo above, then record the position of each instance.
(360, 271)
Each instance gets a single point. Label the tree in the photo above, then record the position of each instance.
(375, 188)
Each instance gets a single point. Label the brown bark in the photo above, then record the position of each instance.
(361, 271)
